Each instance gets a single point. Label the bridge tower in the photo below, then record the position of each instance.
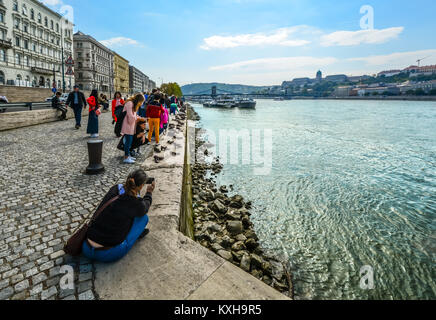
(214, 92)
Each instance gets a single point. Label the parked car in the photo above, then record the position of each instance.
(62, 99)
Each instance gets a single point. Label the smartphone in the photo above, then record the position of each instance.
(150, 180)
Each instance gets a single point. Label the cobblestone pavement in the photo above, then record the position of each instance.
(44, 196)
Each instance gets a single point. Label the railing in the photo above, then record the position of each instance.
(23, 106)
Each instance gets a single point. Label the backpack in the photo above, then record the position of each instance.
(119, 124)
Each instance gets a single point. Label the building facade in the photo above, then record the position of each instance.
(121, 74)
(32, 37)
(94, 64)
(138, 81)
(151, 85)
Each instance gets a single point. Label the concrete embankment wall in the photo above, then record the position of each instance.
(14, 120)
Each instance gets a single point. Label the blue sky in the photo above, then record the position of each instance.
(259, 42)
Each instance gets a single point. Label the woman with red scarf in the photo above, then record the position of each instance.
(94, 112)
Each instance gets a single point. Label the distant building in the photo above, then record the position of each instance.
(31, 40)
(343, 91)
(356, 79)
(319, 76)
(300, 82)
(337, 78)
(94, 64)
(151, 85)
(417, 71)
(389, 73)
(138, 81)
(379, 91)
(121, 74)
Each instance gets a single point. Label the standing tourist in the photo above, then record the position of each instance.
(94, 112)
(129, 124)
(118, 101)
(76, 100)
(143, 108)
(122, 222)
(56, 104)
(154, 111)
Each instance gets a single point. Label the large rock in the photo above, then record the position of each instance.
(236, 202)
(246, 263)
(226, 242)
(232, 215)
(225, 255)
(251, 244)
(207, 195)
(218, 207)
(238, 246)
(278, 271)
(256, 261)
(234, 227)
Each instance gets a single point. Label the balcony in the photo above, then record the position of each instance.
(7, 44)
(42, 70)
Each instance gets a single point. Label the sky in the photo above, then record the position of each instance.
(259, 42)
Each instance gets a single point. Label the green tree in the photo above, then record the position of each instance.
(171, 88)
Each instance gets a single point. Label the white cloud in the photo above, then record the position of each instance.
(282, 64)
(120, 42)
(399, 59)
(354, 38)
(280, 37)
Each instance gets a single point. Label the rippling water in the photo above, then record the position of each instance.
(353, 183)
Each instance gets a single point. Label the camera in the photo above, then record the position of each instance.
(149, 181)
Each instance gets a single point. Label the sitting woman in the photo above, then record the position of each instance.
(114, 232)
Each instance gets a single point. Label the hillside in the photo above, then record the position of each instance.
(203, 88)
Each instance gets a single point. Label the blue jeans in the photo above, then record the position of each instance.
(77, 113)
(128, 140)
(118, 252)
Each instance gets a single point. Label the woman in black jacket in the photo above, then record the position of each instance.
(111, 236)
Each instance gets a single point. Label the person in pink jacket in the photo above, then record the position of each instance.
(129, 124)
(164, 121)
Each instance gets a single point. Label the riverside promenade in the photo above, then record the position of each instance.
(45, 195)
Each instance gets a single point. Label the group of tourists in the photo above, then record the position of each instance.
(131, 116)
(121, 218)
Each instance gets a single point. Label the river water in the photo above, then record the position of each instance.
(352, 184)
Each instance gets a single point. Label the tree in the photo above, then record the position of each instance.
(171, 88)
(433, 92)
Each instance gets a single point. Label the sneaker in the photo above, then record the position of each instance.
(129, 161)
(94, 135)
(132, 158)
(144, 233)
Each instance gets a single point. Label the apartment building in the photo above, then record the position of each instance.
(94, 64)
(32, 40)
(138, 81)
(121, 74)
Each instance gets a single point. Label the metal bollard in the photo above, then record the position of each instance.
(95, 151)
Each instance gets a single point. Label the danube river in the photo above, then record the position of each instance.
(352, 184)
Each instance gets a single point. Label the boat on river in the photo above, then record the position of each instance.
(246, 103)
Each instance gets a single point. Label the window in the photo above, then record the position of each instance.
(2, 16)
(26, 44)
(46, 22)
(39, 18)
(26, 28)
(32, 14)
(17, 41)
(17, 24)
(26, 61)
(2, 34)
(18, 58)
(15, 6)
(57, 27)
(2, 77)
(2, 55)
(24, 10)
(51, 24)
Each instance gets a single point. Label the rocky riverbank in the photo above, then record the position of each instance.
(222, 224)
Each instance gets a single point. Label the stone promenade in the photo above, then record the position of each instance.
(44, 195)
